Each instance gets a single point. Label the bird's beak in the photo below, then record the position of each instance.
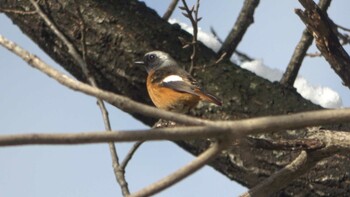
(139, 63)
(142, 63)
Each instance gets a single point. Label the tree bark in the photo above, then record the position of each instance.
(119, 32)
(324, 31)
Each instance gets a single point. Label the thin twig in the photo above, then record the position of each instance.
(82, 63)
(183, 172)
(344, 38)
(342, 27)
(192, 15)
(21, 12)
(120, 175)
(170, 9)
(299, 53)
(130, 154)
(278, 180)
(244, 20)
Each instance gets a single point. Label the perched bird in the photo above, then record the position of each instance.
(170, 87)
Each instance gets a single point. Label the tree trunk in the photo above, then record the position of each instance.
(119, 32)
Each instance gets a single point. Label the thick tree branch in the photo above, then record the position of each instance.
(231, 129)
(303, 163)
(244, 20)
(170, 9)
(241, 56)
(321, 27)
(278, 180)
(300, 50)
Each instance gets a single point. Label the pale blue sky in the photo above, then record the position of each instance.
(32, 102)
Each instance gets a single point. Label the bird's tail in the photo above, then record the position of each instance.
(208, 97)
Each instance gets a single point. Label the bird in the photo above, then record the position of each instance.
(170, 87)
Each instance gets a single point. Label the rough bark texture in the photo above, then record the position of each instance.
(120, 32)
(298, 56)
(324, 32)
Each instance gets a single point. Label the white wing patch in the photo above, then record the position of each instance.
(172, 78)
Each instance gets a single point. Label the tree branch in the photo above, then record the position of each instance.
(244, 20)
(82, 63)
(300, 50)
(170, 10)
(183, 172)
(108, 56)
(119, 101)
(321, 27)
(230, 129)
(192, 15)
(241, 56)
(130, 154)
(246, 127)
(278, 180)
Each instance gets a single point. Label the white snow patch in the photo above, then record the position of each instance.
(207, 38)
(323, 96)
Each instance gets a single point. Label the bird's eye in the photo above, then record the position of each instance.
(151, 57)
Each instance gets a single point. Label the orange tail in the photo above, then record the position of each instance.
(208, 97)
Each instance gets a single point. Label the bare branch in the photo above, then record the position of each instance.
(82, 63)
(119, 101)
(300, 50)
(290, 144)
(261, 124)
(178, 133)
(244, 20)
(130, 154)
(343, 28)
(183, 172)
(278, 180)
(170, 9)
(192, 14)
(229, 129)
(21, 12)
(241, 56)
(226, 129)
(322, 28)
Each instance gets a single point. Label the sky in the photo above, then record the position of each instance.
(32, 102)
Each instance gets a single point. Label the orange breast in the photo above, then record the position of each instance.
(171, 100)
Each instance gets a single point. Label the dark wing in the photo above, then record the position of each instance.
(180, 86)
(190, 86)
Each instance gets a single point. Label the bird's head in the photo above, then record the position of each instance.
(156, 59)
